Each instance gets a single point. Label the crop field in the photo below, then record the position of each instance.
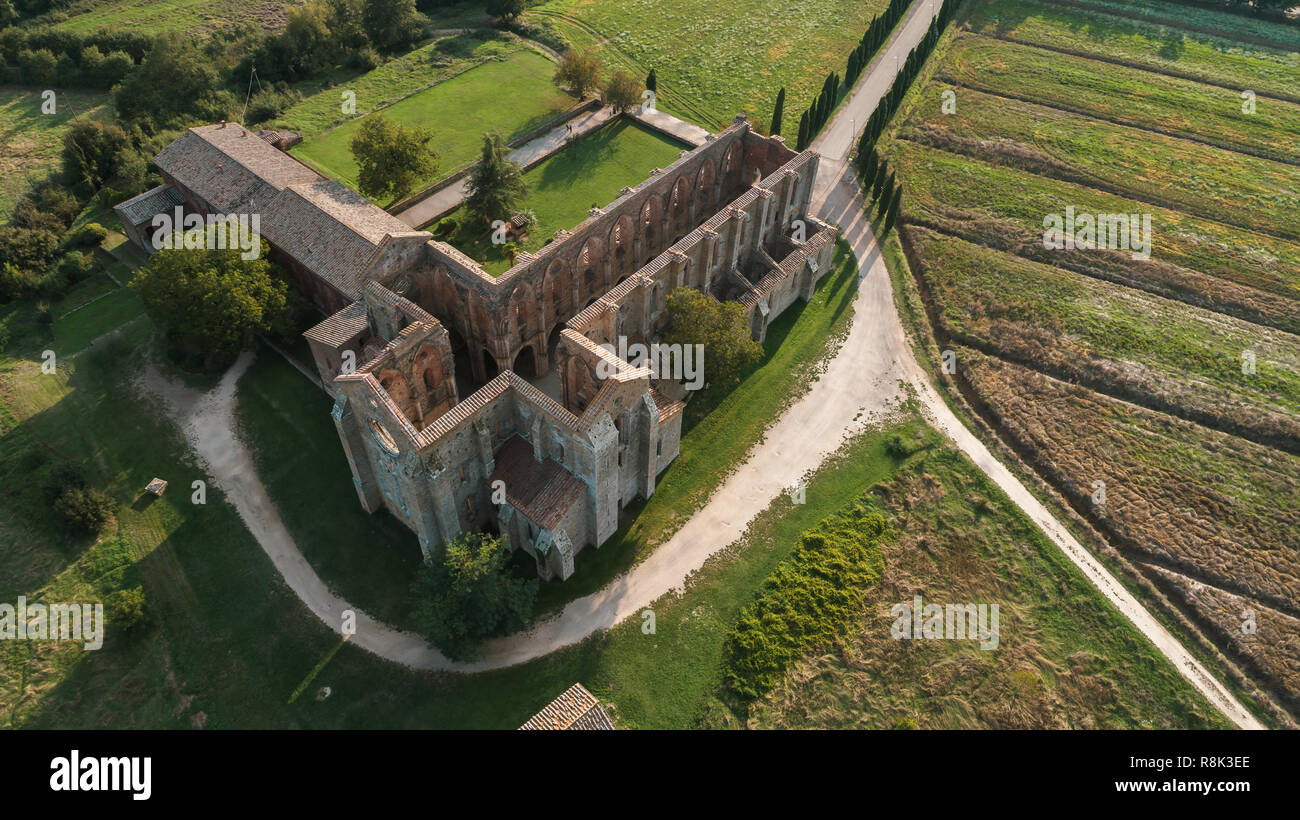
(1174, 380)
(589, 172)
(458, 110)
(715, 60)
(1218, 57)
(1193, 259)
(31, 141)
(1235, 188)
(1140, 347)
(1058, 663)
(1106, 91)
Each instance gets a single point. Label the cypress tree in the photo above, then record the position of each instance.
(886, 194)
(803, 132)
(778, 111)
(652, 82)
(879, 183)
(893, 209)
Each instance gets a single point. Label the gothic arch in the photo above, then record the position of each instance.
(590, 262)
(556, 291)
(427, 372)
(620, 244)
(705, 181)
(649, 227)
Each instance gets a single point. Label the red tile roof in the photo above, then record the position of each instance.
(544, 491)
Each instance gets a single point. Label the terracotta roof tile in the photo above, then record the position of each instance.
(544, 492)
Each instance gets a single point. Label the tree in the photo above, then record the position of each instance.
(495, 188)
(392, 25)
(895, 203)
(778, 112)
(652, 82)
(85, 510)
(802, 143)
(176, 79)
(391, 157)
(504, 9)
(578, 71)
(622, 91)
(886, 195)
(878, 183)
(721, 327)
(91, 149)
(468, 594)
(210, 302)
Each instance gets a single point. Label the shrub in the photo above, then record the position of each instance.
(91, 235)
(84, 509)
(808, 600)
(125, 608)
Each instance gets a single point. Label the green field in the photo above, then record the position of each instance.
(1236, 188)
(562, 188)
(510, 95)
(715, 60)
(1063, 660)
(1175, 50)
(31, 142)
(1107, 91)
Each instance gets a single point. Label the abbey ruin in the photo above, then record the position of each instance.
(467, 402)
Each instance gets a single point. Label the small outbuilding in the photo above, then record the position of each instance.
(575, 709)
(156, 487)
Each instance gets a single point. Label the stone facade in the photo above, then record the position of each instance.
(423, 324)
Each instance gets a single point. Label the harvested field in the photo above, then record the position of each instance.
(1210, 505)
(1143, 348)
(1272, 649)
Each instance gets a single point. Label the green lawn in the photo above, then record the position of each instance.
(562, 188)
(510, 95)
(31, 141)
(715, 60)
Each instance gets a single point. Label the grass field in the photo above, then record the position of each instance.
(205, 16)
(31, 141)
(458, 110)
(714, 60)
(1063, 659)
(562, 188)
(1098, 366)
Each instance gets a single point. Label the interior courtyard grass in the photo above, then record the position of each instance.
(458, 111)
(589, 172)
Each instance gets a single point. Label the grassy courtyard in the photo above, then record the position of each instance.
(458, 110)
(561, 189)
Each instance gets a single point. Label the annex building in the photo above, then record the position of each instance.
(467, 402)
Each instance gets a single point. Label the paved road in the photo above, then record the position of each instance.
(861, 382)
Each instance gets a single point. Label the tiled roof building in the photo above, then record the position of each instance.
(575, 709)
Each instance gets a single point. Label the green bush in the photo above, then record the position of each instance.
(91, 235)
(84, 509)
(807, 602)
(125, 608)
